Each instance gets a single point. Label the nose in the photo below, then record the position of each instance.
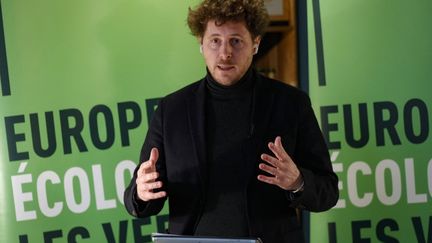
(226, 51)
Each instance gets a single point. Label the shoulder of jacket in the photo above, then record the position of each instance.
(283, 89)
(184, 92)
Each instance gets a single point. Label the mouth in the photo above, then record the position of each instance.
(225, 67)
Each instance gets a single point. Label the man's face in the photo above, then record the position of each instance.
(228, 50)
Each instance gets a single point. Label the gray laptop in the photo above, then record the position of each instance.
(169, 238)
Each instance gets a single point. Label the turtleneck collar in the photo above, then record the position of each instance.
(244, 85)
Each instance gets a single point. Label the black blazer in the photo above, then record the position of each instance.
(177, 129)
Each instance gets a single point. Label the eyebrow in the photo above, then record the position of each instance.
(232, 35)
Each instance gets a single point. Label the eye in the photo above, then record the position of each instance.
(214, 43)
(236, 43)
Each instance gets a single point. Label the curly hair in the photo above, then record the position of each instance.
(253, 12)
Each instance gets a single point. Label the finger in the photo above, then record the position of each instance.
(280, 152)
(151, 186)
(277, 148)
(278, 141)
(147, 196)
(271, 160)
(147, 178)
(146, 167)
(150, 177)
(269, 169)
(268, 179)
(157, 195)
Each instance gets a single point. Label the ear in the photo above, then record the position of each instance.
(256, 41)
(256, 47)
(200, 41)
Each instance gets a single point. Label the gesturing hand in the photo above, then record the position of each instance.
(146, 178)
(284, 171)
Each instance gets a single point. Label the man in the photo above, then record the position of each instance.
(236, 153)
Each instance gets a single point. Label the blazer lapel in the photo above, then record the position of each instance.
(197, 118)
(262, 106)
(263, 100)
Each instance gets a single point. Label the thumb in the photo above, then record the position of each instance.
(154, 155)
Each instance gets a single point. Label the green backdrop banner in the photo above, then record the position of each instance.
(370, 80)
(79, 80)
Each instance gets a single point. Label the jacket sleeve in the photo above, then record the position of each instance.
(154, 139)
(320, 191)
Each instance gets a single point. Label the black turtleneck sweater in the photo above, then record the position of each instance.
(228, 125)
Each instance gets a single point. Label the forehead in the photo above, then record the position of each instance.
(229, 28)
